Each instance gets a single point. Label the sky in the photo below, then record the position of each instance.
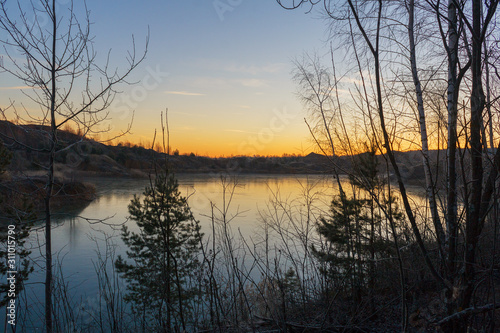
(223, 68)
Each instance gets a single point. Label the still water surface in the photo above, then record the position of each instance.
(77, 234)
(73, 235)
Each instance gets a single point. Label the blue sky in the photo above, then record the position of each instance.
(222, 68)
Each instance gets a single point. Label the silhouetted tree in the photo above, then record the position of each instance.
(351, 230)
(55, 58)
(452, 42)
(164, 254)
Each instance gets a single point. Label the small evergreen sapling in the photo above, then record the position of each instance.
(163, 254)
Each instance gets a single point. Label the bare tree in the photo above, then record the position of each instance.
(455, 41)
(56, 59)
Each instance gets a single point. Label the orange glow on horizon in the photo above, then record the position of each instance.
(217, 146)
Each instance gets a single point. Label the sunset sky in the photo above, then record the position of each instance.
(222, 68)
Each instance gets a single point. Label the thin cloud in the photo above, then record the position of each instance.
(254, 70)
(183, 93)
(212, 82)
(353, 80)
(17, 88)
(220, 82)
(252, 83)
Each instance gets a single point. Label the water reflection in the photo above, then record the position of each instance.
(77, 233)
(75, 229)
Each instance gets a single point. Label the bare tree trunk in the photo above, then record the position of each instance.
(451, 211)
(472, 229)
(374, 50)
(50, 181)
(488, 94)
(488, 99)
(371, 287)
(456, 271)
(48, 260)
(58, 52)
(423, 132)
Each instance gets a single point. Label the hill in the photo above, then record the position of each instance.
(81, 156)
(29, 145)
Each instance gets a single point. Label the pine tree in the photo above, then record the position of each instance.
(339, 230)
(352, 229)
(164, 255)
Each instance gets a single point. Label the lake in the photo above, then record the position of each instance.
(78, 233)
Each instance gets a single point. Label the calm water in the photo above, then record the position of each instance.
(78, 236)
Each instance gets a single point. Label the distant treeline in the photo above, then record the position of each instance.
(88, 156)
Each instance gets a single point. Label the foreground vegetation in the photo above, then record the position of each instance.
(353, 268)
(423, 75)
